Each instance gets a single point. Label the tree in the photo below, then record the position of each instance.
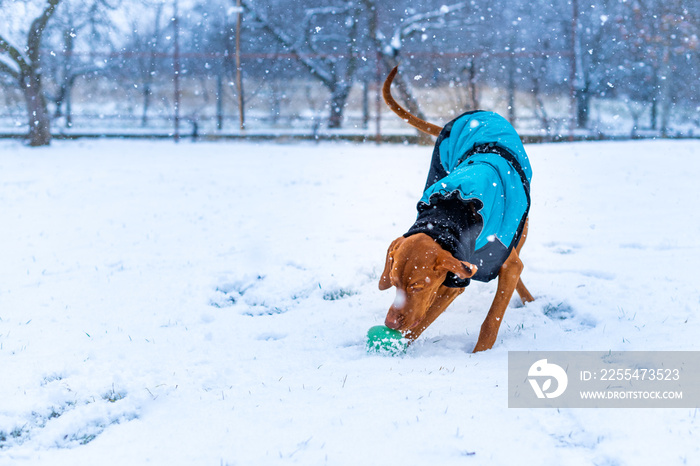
(597, 47)
(662, 38)
(388, 46)
(146, 46)
(80, 25)
(24, 66)
(328, 56)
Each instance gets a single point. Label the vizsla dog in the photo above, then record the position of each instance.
(472, 222)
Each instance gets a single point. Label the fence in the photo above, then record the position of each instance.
(195, 95)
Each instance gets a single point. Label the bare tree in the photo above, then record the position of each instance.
(661, 42)
(388, 46)
(147, 46)
(25, 67)
(310, 46)
(78, 25)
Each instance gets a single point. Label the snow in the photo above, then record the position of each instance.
(207, 303)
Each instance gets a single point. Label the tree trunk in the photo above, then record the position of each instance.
(583, 99)
(220, 99)
(39, 121)
(65, 76)
(29, 76)
(146, 102)
(474, 104)
(69, 103)
(365, 104)
(511, 89)
(339, 96)
(666, 109)
(275, 101)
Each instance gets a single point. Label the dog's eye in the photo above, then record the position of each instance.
(416, 287)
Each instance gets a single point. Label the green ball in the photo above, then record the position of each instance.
(384, 340)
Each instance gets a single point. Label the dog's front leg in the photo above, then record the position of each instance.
(508, 277)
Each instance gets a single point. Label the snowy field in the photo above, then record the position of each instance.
(206, 304)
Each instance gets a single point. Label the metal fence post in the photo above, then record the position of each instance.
(176, 70)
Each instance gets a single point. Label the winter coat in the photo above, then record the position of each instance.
(477, 196)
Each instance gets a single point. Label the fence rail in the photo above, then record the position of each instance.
(201, 101)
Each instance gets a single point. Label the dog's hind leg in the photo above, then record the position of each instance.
(524, 294)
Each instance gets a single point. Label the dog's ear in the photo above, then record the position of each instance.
(462, 269)
(385, 280)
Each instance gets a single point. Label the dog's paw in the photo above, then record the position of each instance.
(563, 312)
(335, 294)
(558, 311)
(274, 292)
(228, 293)
(68, 417)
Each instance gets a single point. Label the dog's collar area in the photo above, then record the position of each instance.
(453, 281)
(454, 224)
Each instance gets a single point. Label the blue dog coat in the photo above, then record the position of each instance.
(477, 196)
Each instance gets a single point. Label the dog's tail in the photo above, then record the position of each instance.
(412, 120)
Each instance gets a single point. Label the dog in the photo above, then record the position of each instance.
(472, 223)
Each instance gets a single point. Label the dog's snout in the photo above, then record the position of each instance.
(400, 299)
(393, 321)
(395, 318)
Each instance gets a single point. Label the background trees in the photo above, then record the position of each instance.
(535, 55)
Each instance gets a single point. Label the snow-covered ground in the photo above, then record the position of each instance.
(207, 303)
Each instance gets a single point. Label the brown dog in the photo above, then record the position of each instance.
(472, 223)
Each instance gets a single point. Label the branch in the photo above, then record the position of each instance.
(289, 43)
(443, 11)
(15, 55)
(7, 69)
(348, 38)
(36, 31)
(411, 24)
(311, 15)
